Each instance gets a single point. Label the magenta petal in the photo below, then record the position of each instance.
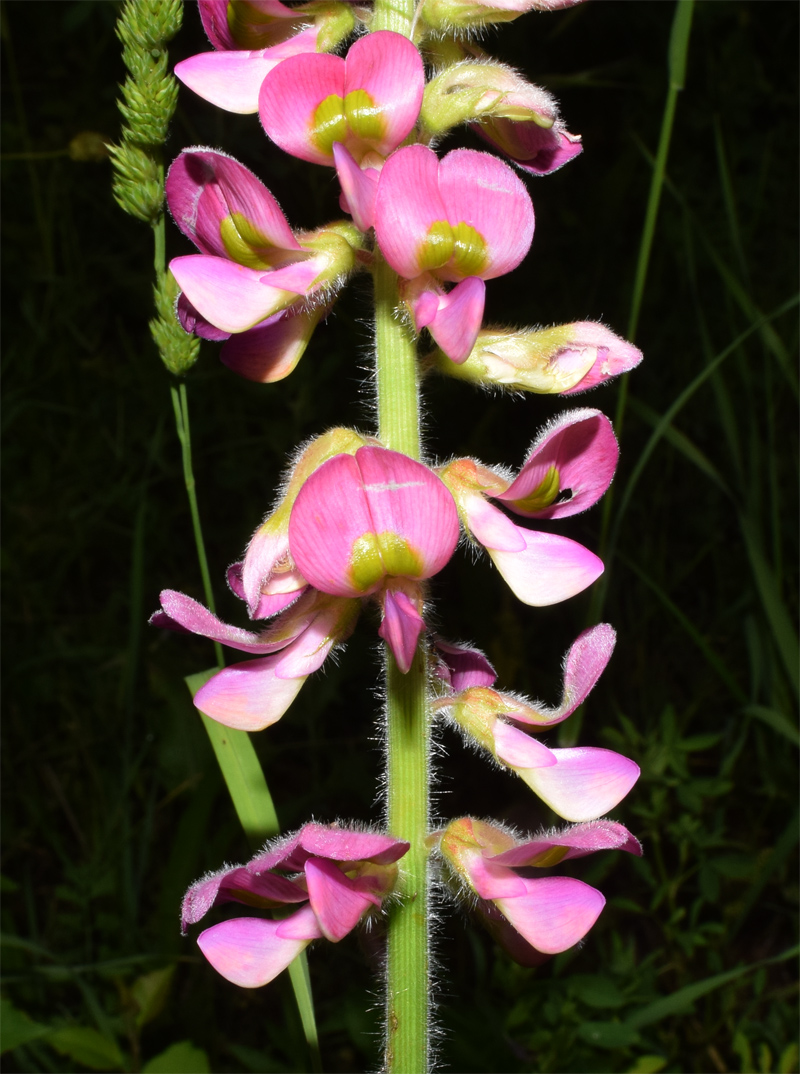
(407, 203)
(537, 150)
(581, 839)
(457, 320)
(550, 568)
(249, 952)
(271, 351)
(491, 881)
(328, 841)
(555, 912)
(224, 33)
(519, 750)
(232, 79)
(462, 666)
(237, 885)
(585, 783)
(198, 620)
(613, 354)
(269, 604)
(204, 187)
(230, 296)
(359, 186)
(193, 322)
(581, 448)
(336, 902)
(248, 696)
(494, 530)
(401, 627)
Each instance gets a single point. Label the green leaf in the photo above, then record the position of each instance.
(180, 1058)
(87, 1046)
(648, 1064)
(241, 771)
(608, 1034)
(776, 720)
(595, 990)
(16, 1027)
(150, 992)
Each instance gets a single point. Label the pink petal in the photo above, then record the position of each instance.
(333, 621)
(495, 531)
(583, 666)
(585, 783)
(555, 912)
(485, 193)
(490, 880)
(205, 187)
(462, 666)
(397, 506)
(232, 79)
(249, 951)
(537, 150)
(580, 447)
(580, 839)
(225, 32)
(248, 696)
(290, 853)
(456, 319)
(337, 903)
(518, 750)
(359, 187)
(195, 324)
(237, 885)
(196, 619)
(271, 351)
(389, 68)
(269, 604)
(614, 355)
(230, 296)
(408, 202)
(289, 97)
(401, 627)
(550, 568)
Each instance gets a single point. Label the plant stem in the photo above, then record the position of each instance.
(408, 724)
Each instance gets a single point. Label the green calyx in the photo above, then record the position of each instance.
(374, 556)
(245, 244)
(458, 247)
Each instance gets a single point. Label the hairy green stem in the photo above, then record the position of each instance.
(408, 724)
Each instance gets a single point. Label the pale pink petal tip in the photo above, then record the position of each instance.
(251, 952)
(614, 355)
(359, 187)
(249, 696)
(585, 783)
(548, 570)
(401, 627)
(555, 913)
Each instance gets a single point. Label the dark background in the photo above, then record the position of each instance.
(112, 800)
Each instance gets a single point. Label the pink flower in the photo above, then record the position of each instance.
(532, 918)
(367, 102)
(251, 266)
(251, 37)
(334, 876)
(464, 219)
(568, 469)
(578, 783)
(566, 359)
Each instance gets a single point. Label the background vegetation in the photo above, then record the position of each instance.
(112, 799)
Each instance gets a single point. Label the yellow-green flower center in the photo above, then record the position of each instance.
(458, 247)
(357, 114)
(543, 495)
(376, 555)
(245, 244)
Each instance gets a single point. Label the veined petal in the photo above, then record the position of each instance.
(250, 952)
(254, 695)
(568, 468)
(230, 296)
(549, 569)
(289, 102)
(584, 784)
(290, 853)
(407, 204)
(555, 912)
(482, 191)
(196, 619)
(232, 79)
(574, 842)
(388, 68)
(271, 351)
(583, 666)
(225, 209)
(453, 318)
(613, 354)
(237, 885)
(495, 531)
(336, 901)
(401, 626)
(535, 149)
(518, 750)
(257, 23)
(360, 518)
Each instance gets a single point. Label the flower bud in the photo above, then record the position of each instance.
(472, 91)
(566, 359)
